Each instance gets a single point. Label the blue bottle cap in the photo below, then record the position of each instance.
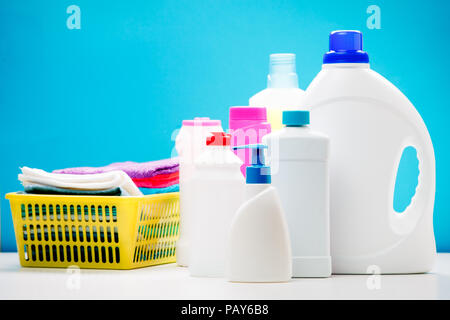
(295, 118)
(257, 172)
(346, 47)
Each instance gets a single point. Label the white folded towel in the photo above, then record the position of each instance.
(98, 181)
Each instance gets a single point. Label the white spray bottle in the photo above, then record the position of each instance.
(259, 248)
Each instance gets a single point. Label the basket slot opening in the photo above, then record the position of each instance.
(100, 213)
(25, 252)
(31, 232)
(93, 213)
(96, 254)
(108, 232)
(36, 212)
(116, 235)
(45, 232)
(65, 214)
(94, 233)
(44, 212)
(117, 255)
(103, 255)
(23, 212)
(89, 254)
(38, 232)
(75, 254)
(30, 212)
(82, 254)
(80, 233)
(107, 217)
(72, 213)
(50, 212)
(53, 233)
(33, 252)
(79, 213)
(40, 252)
(110, 255)
(102, 236)
(67, 233)
(114, 213)
(68, 254)
(58, 212)
(47, 253)
(55, 253)
(24, 232)
(86, 213)
(74, 234)
(88, 234)
(61, 253)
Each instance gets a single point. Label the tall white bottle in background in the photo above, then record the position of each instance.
(282, 91)
(299, 162)
(259, 249)
(370, 122)
(190, 143)
(217, 188)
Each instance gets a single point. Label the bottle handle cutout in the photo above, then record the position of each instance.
(405, 222)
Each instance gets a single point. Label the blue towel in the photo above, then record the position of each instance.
(149, 191)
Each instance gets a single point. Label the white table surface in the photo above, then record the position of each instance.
(172, 282)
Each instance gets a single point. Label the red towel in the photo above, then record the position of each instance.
(158, 181)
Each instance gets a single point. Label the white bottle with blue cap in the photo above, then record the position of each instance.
(370, 123)
(299, 162)
(258, 244)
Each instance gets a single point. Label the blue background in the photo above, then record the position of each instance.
(117, 88)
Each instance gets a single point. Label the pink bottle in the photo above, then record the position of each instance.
(247, 126)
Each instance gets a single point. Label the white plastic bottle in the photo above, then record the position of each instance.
(299, 162)
(282, 91)
(370, 122)
(190, 143)
(259, 249)
(217, 192)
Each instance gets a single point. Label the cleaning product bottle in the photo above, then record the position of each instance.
(190, 143)
(247, 126)
(282, 91)
(218, 188)
(259, 248)
(299, 162)
(370, 123)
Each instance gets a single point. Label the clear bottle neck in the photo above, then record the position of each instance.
(282, 71)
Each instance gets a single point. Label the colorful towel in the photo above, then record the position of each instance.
(135, 170)
(149, 191)
(158, 181)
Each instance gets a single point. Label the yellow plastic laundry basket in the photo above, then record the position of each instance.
(95, 232)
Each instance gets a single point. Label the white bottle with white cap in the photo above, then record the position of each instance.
(190, 143)
(299, 161)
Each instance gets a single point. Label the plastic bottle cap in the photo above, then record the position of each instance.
(248, 113)
(202, 121)
(218, 139)
(346, 47)
(295, 118)
(257, 172)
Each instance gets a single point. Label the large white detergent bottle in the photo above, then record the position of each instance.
(282, 91)
(217, 188)
(370, 122)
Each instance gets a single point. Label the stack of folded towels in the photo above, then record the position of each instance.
(122, 178)
(151, 177)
